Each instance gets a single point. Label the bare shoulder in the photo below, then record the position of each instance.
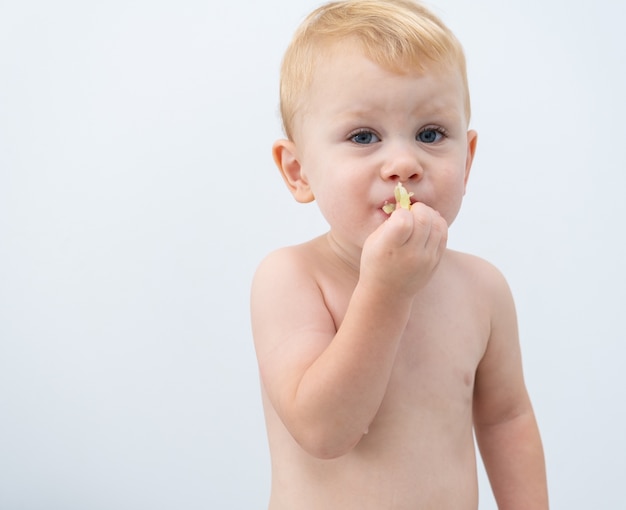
(290, 264)
(481, 275)
(287, 282)
(281, 270)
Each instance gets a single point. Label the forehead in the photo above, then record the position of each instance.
(326, 53)
(346, 72)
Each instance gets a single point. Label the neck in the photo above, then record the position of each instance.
(348, 256)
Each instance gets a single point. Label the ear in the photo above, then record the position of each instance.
(472, 138)
(286, 159)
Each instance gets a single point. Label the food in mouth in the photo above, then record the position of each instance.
(403, 199)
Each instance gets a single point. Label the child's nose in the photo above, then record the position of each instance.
(402, 166)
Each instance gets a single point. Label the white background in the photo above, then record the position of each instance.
(138, 194)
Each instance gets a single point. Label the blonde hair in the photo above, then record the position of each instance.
(397, 34)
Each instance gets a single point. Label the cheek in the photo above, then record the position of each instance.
(331, 186)
(455, 190)
(342, 190)
(343, 204)
(332, 202)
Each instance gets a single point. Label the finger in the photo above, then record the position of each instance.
(399, 227)
(438, 234)
(431, 229)
(423, 217)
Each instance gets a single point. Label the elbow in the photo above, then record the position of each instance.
(325, 451)
(327, 444)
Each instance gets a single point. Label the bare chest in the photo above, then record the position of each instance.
(441, 347)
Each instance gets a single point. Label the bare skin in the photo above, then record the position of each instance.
(380, 350)
(418, 451)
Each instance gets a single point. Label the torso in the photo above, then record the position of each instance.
(419, 452)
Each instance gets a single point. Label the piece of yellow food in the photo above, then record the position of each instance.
(403, 199)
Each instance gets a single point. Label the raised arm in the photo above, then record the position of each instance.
(325, 380)
(506, 429)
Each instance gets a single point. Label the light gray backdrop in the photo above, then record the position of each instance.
(137, 195)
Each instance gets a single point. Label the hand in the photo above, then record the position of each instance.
(401, 255)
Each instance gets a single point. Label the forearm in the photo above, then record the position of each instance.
(339, 395)
(514, 461)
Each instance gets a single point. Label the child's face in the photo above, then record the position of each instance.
(363, 128)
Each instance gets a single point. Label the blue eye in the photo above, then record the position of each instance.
(430, 135)
(364, 138)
